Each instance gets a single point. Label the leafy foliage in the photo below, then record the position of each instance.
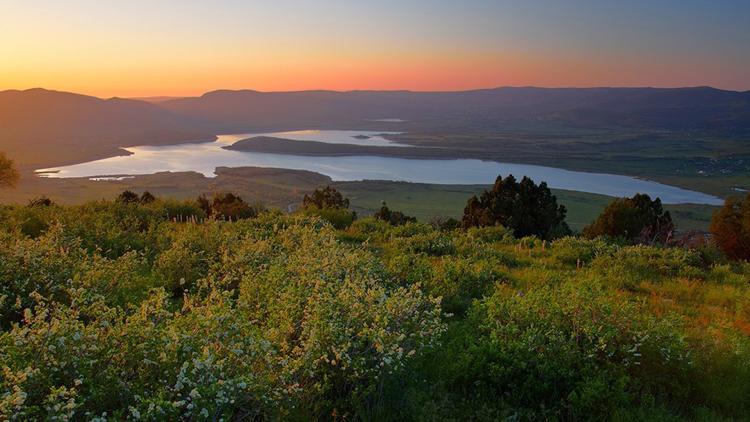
(128, 197)
(8, 173)
(525, 207)
(147, 198)
(330, 205)
(730, 227)
(227, 206)
(395, 218)
(41, 201)
(114, 311)
(327, 197)
(638, 219)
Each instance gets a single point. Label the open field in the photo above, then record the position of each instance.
(429, 201)
(701, 163)
(284, 189)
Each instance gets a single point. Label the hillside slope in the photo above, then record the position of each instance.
(154, 312)
(41, 127)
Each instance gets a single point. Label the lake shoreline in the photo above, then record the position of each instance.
(360, 164)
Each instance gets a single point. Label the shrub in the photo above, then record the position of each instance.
(331, 309)
(574, 250)
(580, 350)
(460, 280)
(43, 266)
(192, 248)
(41, 201)
(120, 308)
(338, 217)
(631, 265)
(432, 243)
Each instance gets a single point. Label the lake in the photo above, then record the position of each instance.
(205, 157)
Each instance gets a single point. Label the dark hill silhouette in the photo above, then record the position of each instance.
(700, 108)
(38, 126)
(45, 128)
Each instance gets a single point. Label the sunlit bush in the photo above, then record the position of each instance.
(152, 311)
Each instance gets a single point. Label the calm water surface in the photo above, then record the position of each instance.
(205, 157)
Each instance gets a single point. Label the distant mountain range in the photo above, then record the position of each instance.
(652, 108)
(38, 126)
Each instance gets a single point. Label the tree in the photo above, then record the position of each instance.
(128, 197)
(330, 205)
(41, 201)
(395, 218)
(327, 197)
(525, 207)
(638, 219)
(730, 227)
(147, 198)
(231, 207)
(204, 204)
(8, 173)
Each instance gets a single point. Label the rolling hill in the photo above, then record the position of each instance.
(41, 127)
(44, 128)
(700, 108)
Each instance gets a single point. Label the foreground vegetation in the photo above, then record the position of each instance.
(153, 309)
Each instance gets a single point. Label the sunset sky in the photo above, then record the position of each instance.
(180, 47)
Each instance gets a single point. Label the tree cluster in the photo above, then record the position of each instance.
(524, 207)
(227, 206)
(395, 218)
(638, 220)
(730, 228)
(324, 198)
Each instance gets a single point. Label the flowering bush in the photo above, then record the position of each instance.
(114, 311)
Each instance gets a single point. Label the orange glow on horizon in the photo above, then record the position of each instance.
(421, 74)
(184, 48)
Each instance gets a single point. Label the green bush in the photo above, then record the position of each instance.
(148, 310)
(338, 217)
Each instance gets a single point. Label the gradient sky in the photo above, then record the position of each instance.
(183, 47)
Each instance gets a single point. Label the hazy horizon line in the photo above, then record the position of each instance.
(405, 90)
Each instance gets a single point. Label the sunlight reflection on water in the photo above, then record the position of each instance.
(206, 157)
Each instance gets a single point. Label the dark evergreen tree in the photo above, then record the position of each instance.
(638, 219)
(524, 207)
(231, 207)
(327, 197)
(147, 198)
(128, 197)
(395, 218)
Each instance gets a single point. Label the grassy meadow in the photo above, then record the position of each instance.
(429, 201)
(284, 189)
